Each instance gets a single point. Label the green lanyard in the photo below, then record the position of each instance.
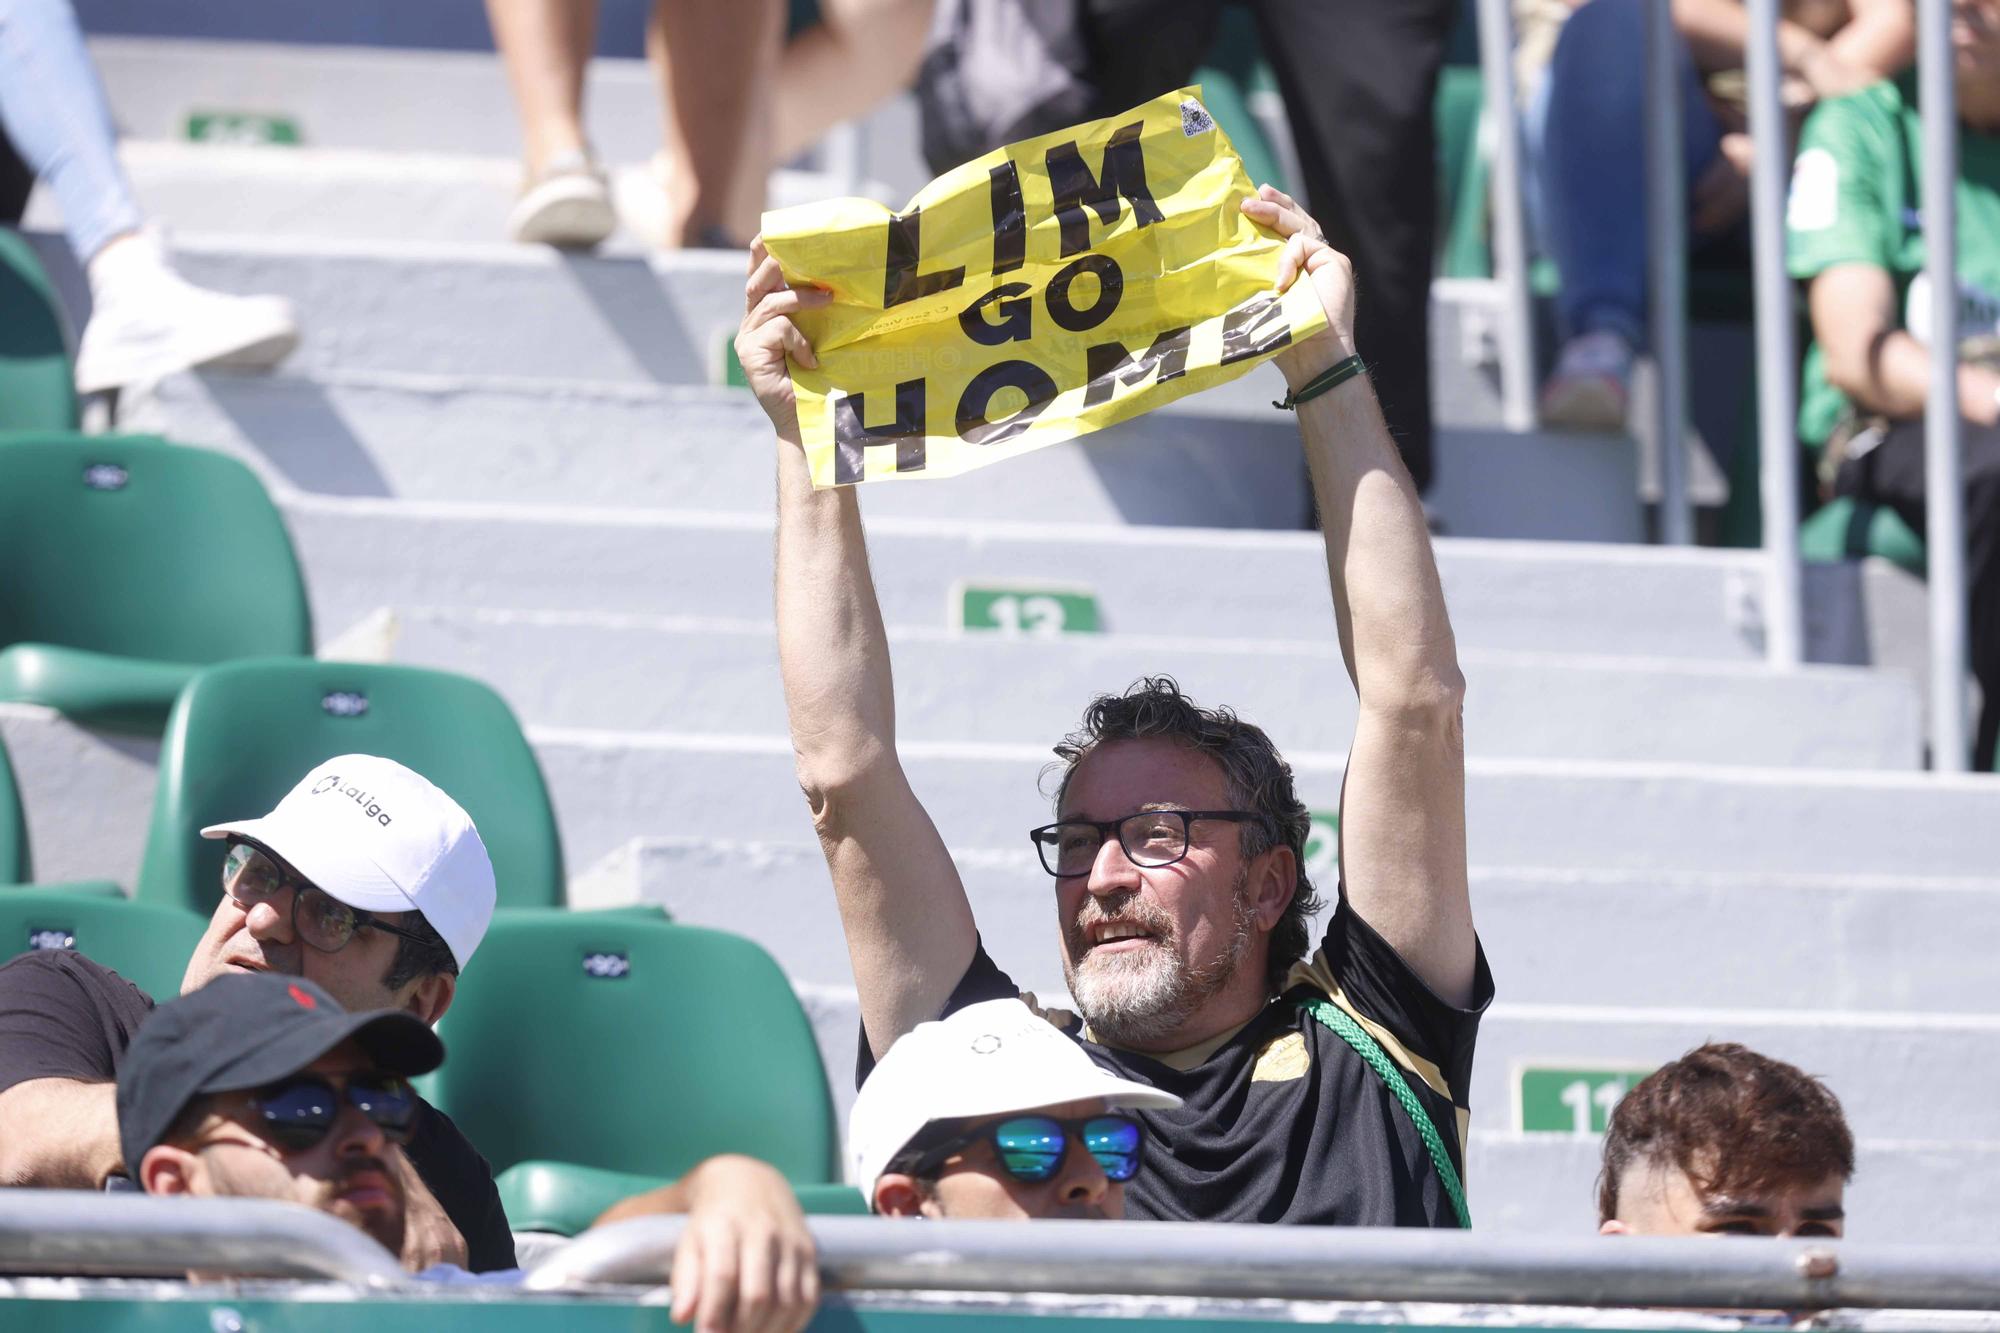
(1342, 1025)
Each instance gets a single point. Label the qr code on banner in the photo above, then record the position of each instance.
(1195, 118)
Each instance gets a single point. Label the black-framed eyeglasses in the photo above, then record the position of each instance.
(252, 875)
(297, 1113)
(1031, 1148)
(1150, 838)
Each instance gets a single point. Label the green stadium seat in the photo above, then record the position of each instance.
(147, 944)
(1233, 72)
(565, 1199)
(14, 864)
(1848, 529)
(37, 387)
(242, 734)
(132, 564)
(603, 1040)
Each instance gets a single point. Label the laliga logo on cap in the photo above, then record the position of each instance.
(331, 782)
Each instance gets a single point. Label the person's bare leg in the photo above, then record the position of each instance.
(546, 44)
(715, 63)
(861, 52)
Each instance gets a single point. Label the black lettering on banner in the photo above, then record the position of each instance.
(1107, 362)
(1247, 331)
(1075, 188)
(1010, 219)
(1110, 289)
(851, 434)
(1017, 316)
(900, 280)
(1029, 378)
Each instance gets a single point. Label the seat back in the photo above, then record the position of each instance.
(145, 943)
(127, 544)
(14, 865)
(606, 1040)
(242, 734)
(37, 390)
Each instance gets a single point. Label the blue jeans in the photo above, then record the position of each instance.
(54, 110)
(1587, 148)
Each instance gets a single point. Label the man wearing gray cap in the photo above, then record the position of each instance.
(366, 880)
(262, 1087)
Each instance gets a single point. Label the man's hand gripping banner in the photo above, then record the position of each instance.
(1050, 288)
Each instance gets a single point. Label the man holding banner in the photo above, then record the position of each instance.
(1322, 1090)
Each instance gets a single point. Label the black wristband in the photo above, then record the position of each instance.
(1333, 377)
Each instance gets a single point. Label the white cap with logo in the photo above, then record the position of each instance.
(987, 1059)
(381, 838)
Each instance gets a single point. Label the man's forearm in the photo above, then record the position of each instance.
(1895, 381)
(1388, 600)
(832, 649)
(56, 1133)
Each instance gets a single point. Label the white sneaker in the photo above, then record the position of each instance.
(1591, 384)
(148, 322)
(568, 204)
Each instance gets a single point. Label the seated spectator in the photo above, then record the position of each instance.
(706, 186)
(146, 320)
(380, 912)
(260, 1087)
(1855, 236)
(1726, 1142)
(1586, 135)
(993, 1113)
(1322, 1086)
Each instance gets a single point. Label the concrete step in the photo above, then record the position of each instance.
(1921, 1192)
(412, 193)
(447, 102)
(1634, 939)
(610, 787)
(1544, 597)
(592, 670)
(1207, 461)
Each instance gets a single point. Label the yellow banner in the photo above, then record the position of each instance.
(1050, 288)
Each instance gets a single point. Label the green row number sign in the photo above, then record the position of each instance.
(1569, 1100)
(242, 127)
(1323, 849)
(1042, 612)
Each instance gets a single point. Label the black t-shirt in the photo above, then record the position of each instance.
(64, 1016)
(1282, 1121)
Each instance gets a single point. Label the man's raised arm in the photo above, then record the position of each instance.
(1402, 808)
(909, 927)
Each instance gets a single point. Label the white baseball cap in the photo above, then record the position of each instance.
(379, 837)
(986, 1059)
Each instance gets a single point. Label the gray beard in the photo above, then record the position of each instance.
(1140, 998)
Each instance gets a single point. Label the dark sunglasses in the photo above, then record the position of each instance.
(298, 1113)
(252, 875)
(1031, 1148)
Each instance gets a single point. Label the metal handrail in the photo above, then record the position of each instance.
(1777, 360)
(1510, 231)
(1944, 518)
(1666, 245)
(79, 1232)
(1332, 1263)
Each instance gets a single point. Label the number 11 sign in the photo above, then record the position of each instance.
(1568, 1099)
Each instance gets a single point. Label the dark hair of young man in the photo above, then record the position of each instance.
(1731, 1120)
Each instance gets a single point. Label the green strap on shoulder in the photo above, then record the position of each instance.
(1342, 1025)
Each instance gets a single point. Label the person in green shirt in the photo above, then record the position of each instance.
(1855, 235)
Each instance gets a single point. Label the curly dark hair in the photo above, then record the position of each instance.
(1733, 1121)
(1257, 778)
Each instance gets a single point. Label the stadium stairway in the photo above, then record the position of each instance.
(526, 466)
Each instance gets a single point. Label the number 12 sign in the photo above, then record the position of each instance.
(1567, 1099)
(1036, 610)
